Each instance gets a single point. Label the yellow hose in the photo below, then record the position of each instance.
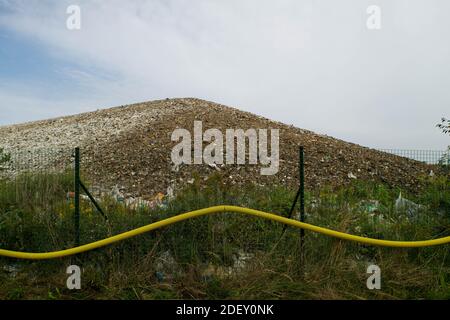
(217, 209)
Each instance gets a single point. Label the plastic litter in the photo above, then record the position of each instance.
(404, 205)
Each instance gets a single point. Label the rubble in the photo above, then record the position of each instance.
(130, 146)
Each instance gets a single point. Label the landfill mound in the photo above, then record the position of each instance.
(129, 148)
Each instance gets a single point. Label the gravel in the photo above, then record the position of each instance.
(129, 147)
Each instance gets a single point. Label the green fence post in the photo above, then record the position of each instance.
(302, 186)
(77, 197)
(302, 202)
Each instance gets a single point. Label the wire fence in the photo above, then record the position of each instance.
(428, 156)
(44, 177)
(41, 182)
(40, 178)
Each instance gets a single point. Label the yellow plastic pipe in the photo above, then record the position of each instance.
(218, 209)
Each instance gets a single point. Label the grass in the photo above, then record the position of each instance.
(225, 256)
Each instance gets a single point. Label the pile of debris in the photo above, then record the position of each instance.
(130, 146)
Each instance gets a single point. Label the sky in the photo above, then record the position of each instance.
(313, 64)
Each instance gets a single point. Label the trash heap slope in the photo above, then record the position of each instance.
(129, 147)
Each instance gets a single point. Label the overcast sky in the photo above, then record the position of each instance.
(310, 63)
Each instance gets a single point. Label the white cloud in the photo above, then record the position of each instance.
(310, 63)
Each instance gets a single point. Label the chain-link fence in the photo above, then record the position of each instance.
(427, 156)
(37, 178)
(37, 206)
(40, 175)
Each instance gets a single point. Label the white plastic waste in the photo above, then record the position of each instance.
(351, 175)
(402, 204)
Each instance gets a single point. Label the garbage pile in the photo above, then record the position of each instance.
(131, 146)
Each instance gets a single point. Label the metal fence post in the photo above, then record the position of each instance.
(302, 202)
(77, 197)
(302, 185)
